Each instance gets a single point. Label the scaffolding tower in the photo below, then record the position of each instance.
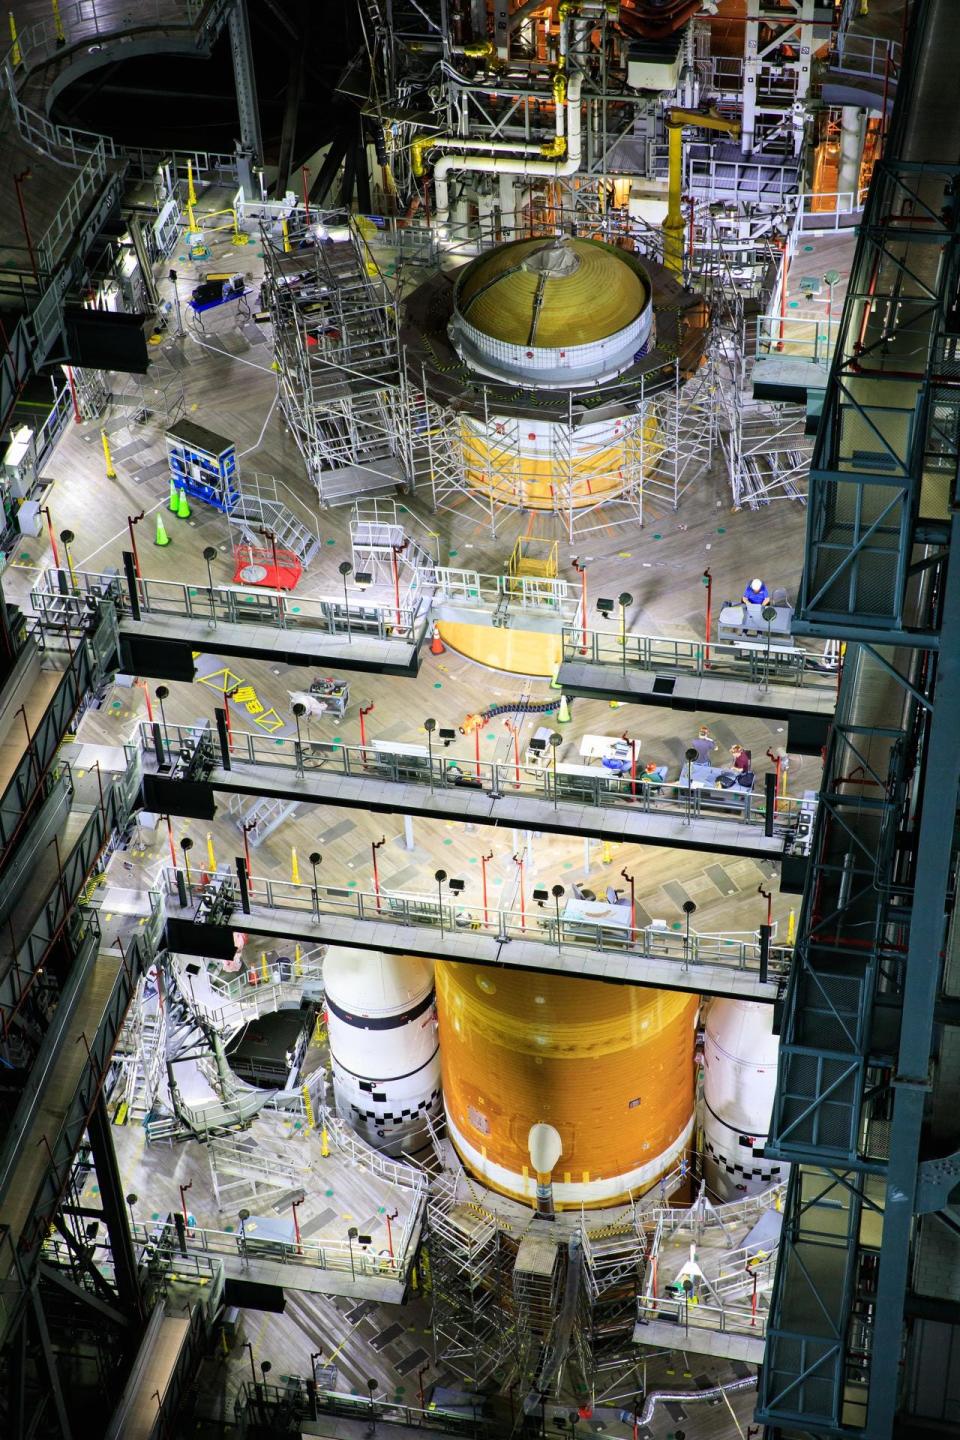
(337, 352)
(471, 1259)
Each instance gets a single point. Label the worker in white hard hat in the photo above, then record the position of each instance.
(756, 593)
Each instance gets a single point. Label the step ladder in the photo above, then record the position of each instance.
(260, 507)
(262, 816)
(377, 529)
(241, 1172)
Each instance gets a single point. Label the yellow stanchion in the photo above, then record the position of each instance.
(191, 191)
(285, 229)
(15, 55)
(791, 927)
(238, 237)
(211, 857)
(58, 23)
(264, 972)
(111, 473)
(308, 1106)
(223, 1342)
(298, 961)
(294, 865)
(606, 853)
(324, 1143)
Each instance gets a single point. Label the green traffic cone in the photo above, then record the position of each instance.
(183, 509)
(174, 496)
(162, 537)
(554, 682)
(563, 714)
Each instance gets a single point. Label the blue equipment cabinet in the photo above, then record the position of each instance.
(204, 464)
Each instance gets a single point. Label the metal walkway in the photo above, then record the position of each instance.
(412, 924)
(676, 815)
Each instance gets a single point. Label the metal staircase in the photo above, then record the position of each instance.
(260, 818)
(260, 508)
(379, 530)
(245, 1175)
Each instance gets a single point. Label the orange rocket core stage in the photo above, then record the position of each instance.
(611, 1067)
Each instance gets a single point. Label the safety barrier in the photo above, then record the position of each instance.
(530, 921)
(462, 774)
(747, 661)
(63, 598)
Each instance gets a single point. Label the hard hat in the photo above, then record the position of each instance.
(756, 584)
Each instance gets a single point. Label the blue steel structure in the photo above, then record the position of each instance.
(865, 1316)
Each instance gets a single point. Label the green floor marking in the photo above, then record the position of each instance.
(331, 542)
(295, 609)
(448, 842)
(328, 1193)
(490, 737)
(721, 529)
(438, 685)
(352, 885)
(453, 553)
(658, 537)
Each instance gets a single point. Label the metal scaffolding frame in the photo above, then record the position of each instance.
(470, 1260)
(866, 1052)
(336, 344)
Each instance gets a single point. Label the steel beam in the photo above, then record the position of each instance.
(115, 1210)
(50, 1364)
(244, 79)
(911, 1084)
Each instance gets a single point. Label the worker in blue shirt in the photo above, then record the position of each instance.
(756, 593)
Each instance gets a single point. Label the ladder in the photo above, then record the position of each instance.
(263, 816)
(260, 508)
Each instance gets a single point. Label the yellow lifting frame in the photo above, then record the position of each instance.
(675, 119)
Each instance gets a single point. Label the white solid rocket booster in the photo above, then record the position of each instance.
(382, 1026)
(740, 1077)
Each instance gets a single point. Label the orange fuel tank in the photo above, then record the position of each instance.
(610, 1066)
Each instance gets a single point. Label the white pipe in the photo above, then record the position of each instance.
(501, 165)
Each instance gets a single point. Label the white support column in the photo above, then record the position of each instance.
(852, 130)
(408, 840)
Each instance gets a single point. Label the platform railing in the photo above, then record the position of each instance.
(868, 56)
(65, 599)
(88, 20)
(746, 660)
(458, 774)
(694, 1314)
(736, 950)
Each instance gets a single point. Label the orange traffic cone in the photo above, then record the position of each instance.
(437, 646)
